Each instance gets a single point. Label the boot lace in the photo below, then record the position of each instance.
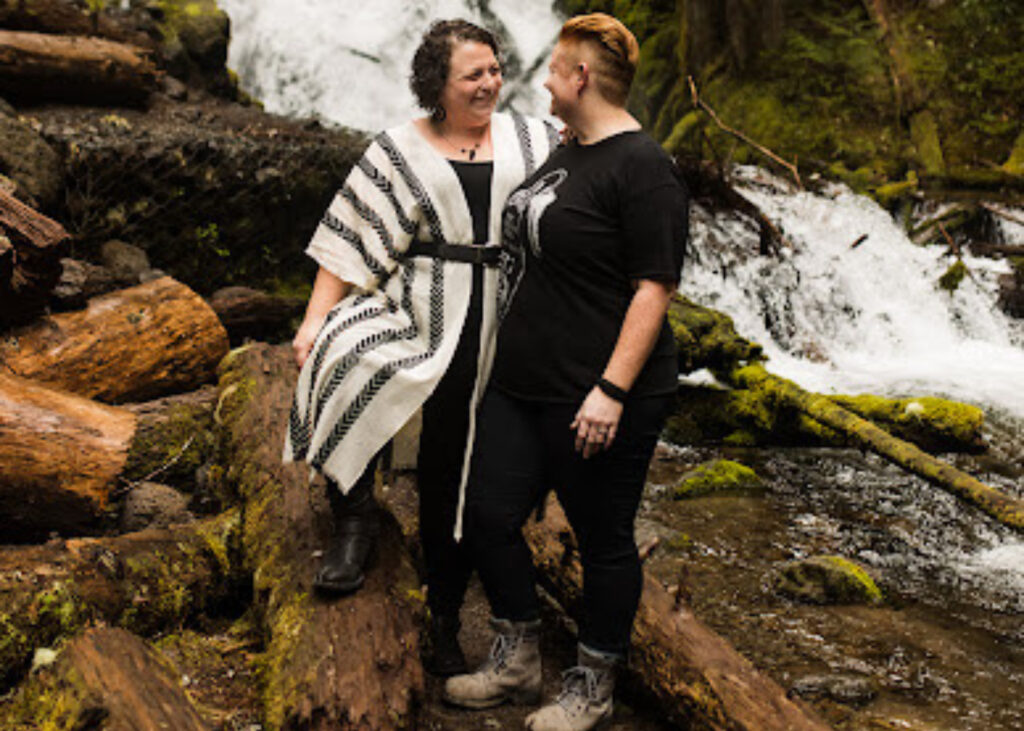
(579, 687)
(503, 646)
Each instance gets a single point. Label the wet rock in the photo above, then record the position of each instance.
(150, 504)
(1011, 289)
(853, 690)
(80, 280)
(29, 161)
(127, 263)
(827, 580)
(721, 477)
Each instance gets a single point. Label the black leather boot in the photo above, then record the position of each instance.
(443, 655)
(356, 525)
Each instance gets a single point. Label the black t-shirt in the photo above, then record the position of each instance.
(591, 220)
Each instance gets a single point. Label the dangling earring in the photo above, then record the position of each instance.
(439, 114)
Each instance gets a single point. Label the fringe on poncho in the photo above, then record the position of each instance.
(384, 347)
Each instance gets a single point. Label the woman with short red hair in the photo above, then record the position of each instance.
(584, 376)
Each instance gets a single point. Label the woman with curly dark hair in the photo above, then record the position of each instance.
(402, 314)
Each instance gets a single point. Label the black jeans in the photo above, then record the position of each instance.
(523, 448)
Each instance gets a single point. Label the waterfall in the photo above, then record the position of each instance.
(348, 62)
(835, 317)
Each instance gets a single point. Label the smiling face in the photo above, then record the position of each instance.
(474, 81)
(563, 80)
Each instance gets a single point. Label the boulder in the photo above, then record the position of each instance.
(126, 262)
(853, 690)
(150, 504)
(721, 477)
(29, 161)
(827, 580)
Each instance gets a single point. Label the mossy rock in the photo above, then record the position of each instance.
(827, 580)
(707, 338)
(1015, 163)
(721, 477)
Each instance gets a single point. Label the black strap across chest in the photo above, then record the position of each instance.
(470, 254)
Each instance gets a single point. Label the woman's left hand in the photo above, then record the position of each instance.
(596, 422)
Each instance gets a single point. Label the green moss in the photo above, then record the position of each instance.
(1015, 163)
(934, 424)
(715, 478)
(828, 580)
(953, 276)
(889, 193)
(174, 447)
(706, 338)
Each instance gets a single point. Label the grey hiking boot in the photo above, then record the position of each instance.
(510, 674)
(586, 698)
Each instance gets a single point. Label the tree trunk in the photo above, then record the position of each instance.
(31, 259)
(350, 663)
(1004, 508)
(105, 678)
(60, 455)
(38, 67)
(146, 582)
(700, 680)
(130, 345)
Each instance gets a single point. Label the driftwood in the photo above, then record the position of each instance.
(29, 259)
(107, 678)
(145, 582)
(250, 313)
(696, 675)
(1004, 508)
(38, 66)
(129, 345)
(351, 663)
(60, 455)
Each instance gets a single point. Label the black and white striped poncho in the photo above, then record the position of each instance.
(383, 348)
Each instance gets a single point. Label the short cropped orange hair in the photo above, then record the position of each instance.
(617, 52)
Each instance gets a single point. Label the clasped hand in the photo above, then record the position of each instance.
(596, 423)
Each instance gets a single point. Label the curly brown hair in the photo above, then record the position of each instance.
(431, 62)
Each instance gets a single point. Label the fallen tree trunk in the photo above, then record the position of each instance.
(105, 678)
(60, 455)
(31, 252)
(351, 663)
(145, 582)
(696, 675)
(1004, 508)
(38, 67)
(66, 18)
(129, 345)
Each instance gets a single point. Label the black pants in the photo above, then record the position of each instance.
(523, 448)
(439, 466)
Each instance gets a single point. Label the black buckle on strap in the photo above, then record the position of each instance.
(468, 253)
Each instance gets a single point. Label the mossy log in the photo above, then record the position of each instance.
(697, 676)
(745, 417)
(351, 663)
(107, 678)
(145, 582)
(31, 249)
(130, 345)
(60, 455)
(38, 66)
(250, 313)
(1004, 508)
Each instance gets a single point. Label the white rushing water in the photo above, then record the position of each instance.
(870, 318)
(348, 61)
(832, 317)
